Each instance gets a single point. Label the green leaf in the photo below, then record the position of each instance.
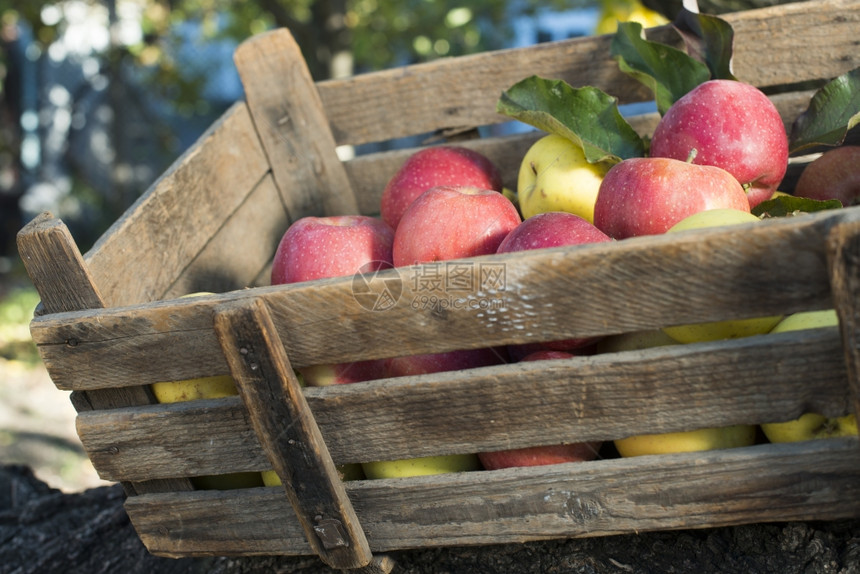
(787, 205)
(587, 116)
(833, 110)
(667, 71)
(709, 40)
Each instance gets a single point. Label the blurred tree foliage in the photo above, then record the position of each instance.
(338, 37)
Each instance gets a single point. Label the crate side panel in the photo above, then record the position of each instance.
(241, 250)
(815, 480)
(767, 47)
(145, 251)
(795, 42)
(670, 389)
(768, 268)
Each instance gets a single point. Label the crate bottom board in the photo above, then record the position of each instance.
(814, 480)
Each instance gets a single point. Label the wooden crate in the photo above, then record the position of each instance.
(111, 323)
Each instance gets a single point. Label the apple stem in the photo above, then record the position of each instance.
(692, 155)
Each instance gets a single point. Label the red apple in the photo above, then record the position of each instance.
(321, 247)
(551, 229)
(431, 167)
(835, 174)
(727, 124)
(540, 455)
(411, 365)
(647, 196)
(451, 222)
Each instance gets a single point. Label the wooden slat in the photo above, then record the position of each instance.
(293, 127)
(779, 45)
(845, 271)
(144, 252)
(767, 268)
(57, 269)
(588, 398)
(815, 480)
(286, 427)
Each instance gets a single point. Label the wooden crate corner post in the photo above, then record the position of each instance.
(844, 264)
(58, 271)
(290, 436)
(292, 125)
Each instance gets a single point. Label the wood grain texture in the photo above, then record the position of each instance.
(57, 269)
(293, 127)
(815, 480)
(145, 252)
(780, 45)
(771, 267)
(604, 397)
(288, 432)
(241, 250)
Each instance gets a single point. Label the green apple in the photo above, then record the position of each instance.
(687, 441)
(555, 176)
(718, 330)
(422, 466)
(807, 320)
(809, 425)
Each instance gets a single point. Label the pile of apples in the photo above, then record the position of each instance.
(719, 152)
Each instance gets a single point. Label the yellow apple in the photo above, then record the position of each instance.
(555, 176)
(421, 466)
(192, 389)
(351, 471)
(614, 11)
(687, 441)
(809, 425)
(718, 330)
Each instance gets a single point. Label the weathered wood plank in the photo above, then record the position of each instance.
(293, 127)
(145, 251)
(241, 250)
(57, 269)
(587, 398)
(767, 268)
(282, 420)
(779, 45)
(815, 480)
